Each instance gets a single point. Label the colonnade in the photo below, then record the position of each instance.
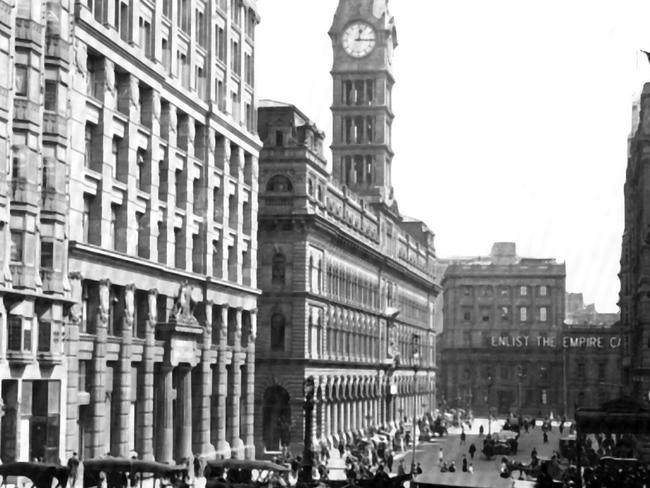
(175, 393)
(348, 405)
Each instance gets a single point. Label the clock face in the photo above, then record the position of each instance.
(359, 39)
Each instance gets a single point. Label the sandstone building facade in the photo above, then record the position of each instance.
(503, 324)
(129, 289)
(634, 295)
(348, 283)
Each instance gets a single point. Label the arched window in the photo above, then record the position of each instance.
(278, 265)
(276, 418)
(279, 184)
(278, 326)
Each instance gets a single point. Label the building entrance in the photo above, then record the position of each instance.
(505, 400)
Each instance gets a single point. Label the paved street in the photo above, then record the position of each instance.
(485, 472)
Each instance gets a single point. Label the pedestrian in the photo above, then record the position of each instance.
(443, 468)
(480, 430)
(452, 467)
(73, 468)
(561, 427)
(440, 456)
(533, 453)
(472, 450)
(470, 468)
(462, 436)
(464, 468)
(545, 438)
(341, 448)
(389, 461)
(400, 468)
(418, 469)
(197, 466)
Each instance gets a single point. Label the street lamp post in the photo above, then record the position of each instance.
(416, 361)
(307, 454)
(520, 377)
(490, 382)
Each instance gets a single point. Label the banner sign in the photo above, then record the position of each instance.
(566, 342)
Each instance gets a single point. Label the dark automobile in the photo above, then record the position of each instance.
(41, 474)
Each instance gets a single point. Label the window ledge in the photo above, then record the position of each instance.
(20, 357)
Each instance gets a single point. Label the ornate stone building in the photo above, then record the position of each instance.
(129, 292)
(503, 328)
(347, 281)
(634, 295)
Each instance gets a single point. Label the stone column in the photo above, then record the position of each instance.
(72, 360)
(249, 405)
(223, 448)
(201, 438)
(120, 441)
(183, 413)
(145, 442)
(98, 388)
(327, 423)
(234, 395)
(166, 431)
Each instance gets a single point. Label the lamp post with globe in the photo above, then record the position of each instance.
(415, 343)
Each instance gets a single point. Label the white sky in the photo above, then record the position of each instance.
(512, 118)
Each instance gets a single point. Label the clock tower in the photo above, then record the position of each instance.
(363, 38)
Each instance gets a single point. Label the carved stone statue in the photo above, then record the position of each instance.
(109, 75)
(191, 130)
(152, 305)
(212, 141)
(184, 306)
(80, 57)
(134, 92)
(155, 105)
(104, 298)
(129, 304)
(76, 294)
(172, 119)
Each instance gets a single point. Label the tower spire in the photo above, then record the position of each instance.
(363, 38)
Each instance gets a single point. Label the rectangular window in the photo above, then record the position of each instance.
(21, 79)
(200, 28)
(44, 336)
(122, 20)
(88, 150)
(5, 60)
(543, 291)
(523, 291)
(235, 11)
(162, 175)
(14, 333)
(485, 315)
(142, 245)
(115, 152)
(220, 43)
(248, 68)
(166, 55)
(523, 314)
(47, 255)
(505, 314)
(167, 8)
(183, 16)
(85, 219)
(221, 95)
(467, 315)
(235, 61)
(50, 95)
(112, 237)
(16, 254)
(542, 314)
(145, 37)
